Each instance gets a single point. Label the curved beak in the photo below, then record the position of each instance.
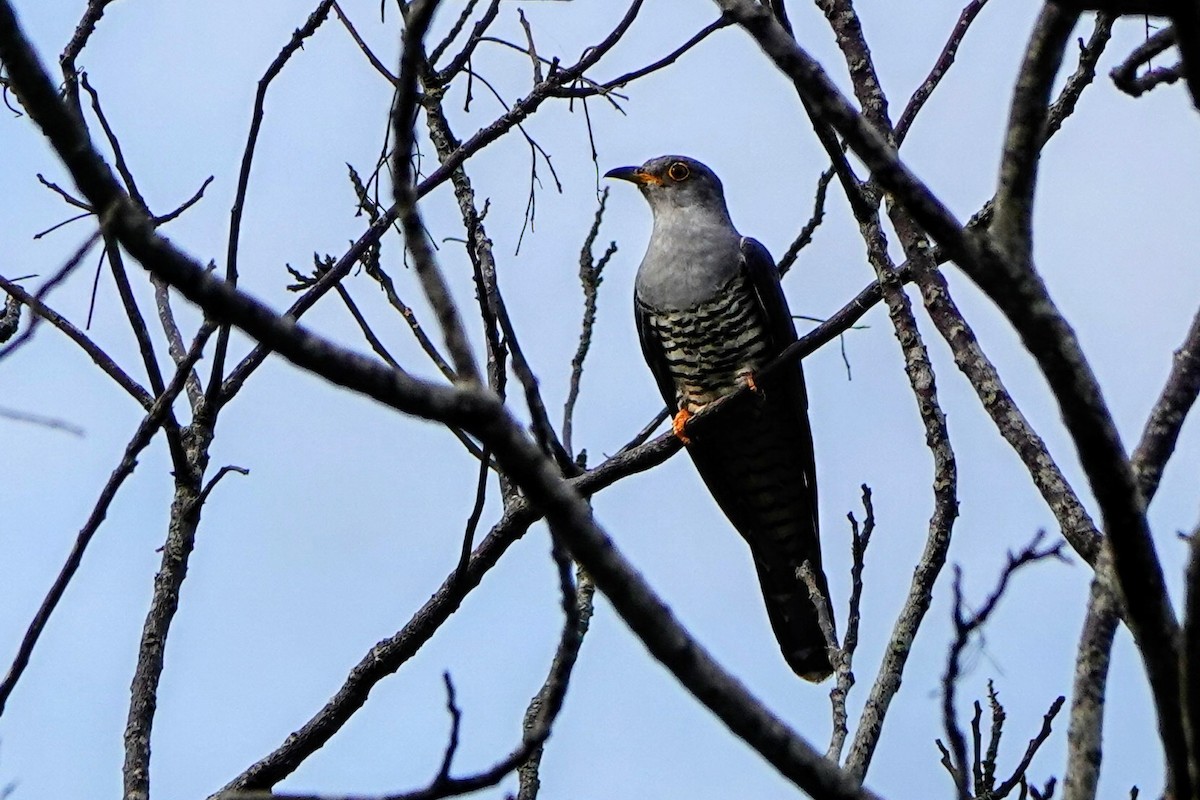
(632, 174)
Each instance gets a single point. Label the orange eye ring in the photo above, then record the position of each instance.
(678, 171)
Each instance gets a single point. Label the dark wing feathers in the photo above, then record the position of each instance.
(760, 268)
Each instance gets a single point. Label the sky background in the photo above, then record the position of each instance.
(352, 515)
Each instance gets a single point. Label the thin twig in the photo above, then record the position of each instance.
(93, 351)
(1124, 75)
(34, 301)
(803, 239)
(362, 45)
(214, 391)
(42, 421)
(607, 87)
(420, 13)
(860, 539)
(546, 704)
(590, 275)
(940, 67)
(965, 625)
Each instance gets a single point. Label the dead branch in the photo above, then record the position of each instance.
(142, 437)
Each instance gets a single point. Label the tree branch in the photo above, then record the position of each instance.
(142, 437)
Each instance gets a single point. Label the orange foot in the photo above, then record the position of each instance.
(747, 379)
(677, 425)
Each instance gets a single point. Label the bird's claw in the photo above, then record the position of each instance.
(678, 423)
(746, 378)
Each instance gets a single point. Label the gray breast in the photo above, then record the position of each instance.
(710, 346)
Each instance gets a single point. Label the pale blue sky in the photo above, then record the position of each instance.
(351, 515)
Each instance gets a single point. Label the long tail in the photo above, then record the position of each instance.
(794, 617)
(758, 464)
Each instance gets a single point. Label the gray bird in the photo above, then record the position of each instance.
(710, 313)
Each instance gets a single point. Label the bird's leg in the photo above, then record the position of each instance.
(745, 377)
(677, 424)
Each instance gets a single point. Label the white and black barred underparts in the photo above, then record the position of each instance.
(711, 348)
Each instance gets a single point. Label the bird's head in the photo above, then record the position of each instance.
(674, 182)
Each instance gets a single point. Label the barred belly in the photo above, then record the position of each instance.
(711, 348)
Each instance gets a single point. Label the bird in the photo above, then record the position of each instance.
(710, 314)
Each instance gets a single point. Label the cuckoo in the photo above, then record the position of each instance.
(710, 314)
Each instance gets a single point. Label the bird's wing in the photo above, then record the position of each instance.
(656, 357)
(764, 277)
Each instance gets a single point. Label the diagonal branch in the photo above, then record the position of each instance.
(590, 275)
(314, 21)
(156, 415)
(940, 67)
(418, 16)
(94, 352)
(1170, 410)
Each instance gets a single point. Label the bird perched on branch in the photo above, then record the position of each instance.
(710, 314)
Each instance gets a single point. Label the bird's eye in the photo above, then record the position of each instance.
(678, 171)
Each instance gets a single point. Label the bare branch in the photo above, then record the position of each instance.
(607, 87)
(418, 17)
(1124, 75)
(358, 40)
(590, 276)
(1074, 521)
(1082, 77)
(141, 438)
(186, 508)
(803, 239)
(1170, 410)
(443, 775)
(93, 351)
(468, 539)
(1021, 294)
(41, 421)
(460, 60)
(67, 197)
(215, 390)
(940, 67)
(137, 322)
(191, 201)
(1012, 227)
(821, 603)
(83, 33)
(847, 30)
(1085, 729)
(547, 703)
(365, 327)
(1190, 654)
(35, 301)
(1031, 749)
(539, 717)
(492, 306)
(844, 662)
(118, 155)
(964, 626)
